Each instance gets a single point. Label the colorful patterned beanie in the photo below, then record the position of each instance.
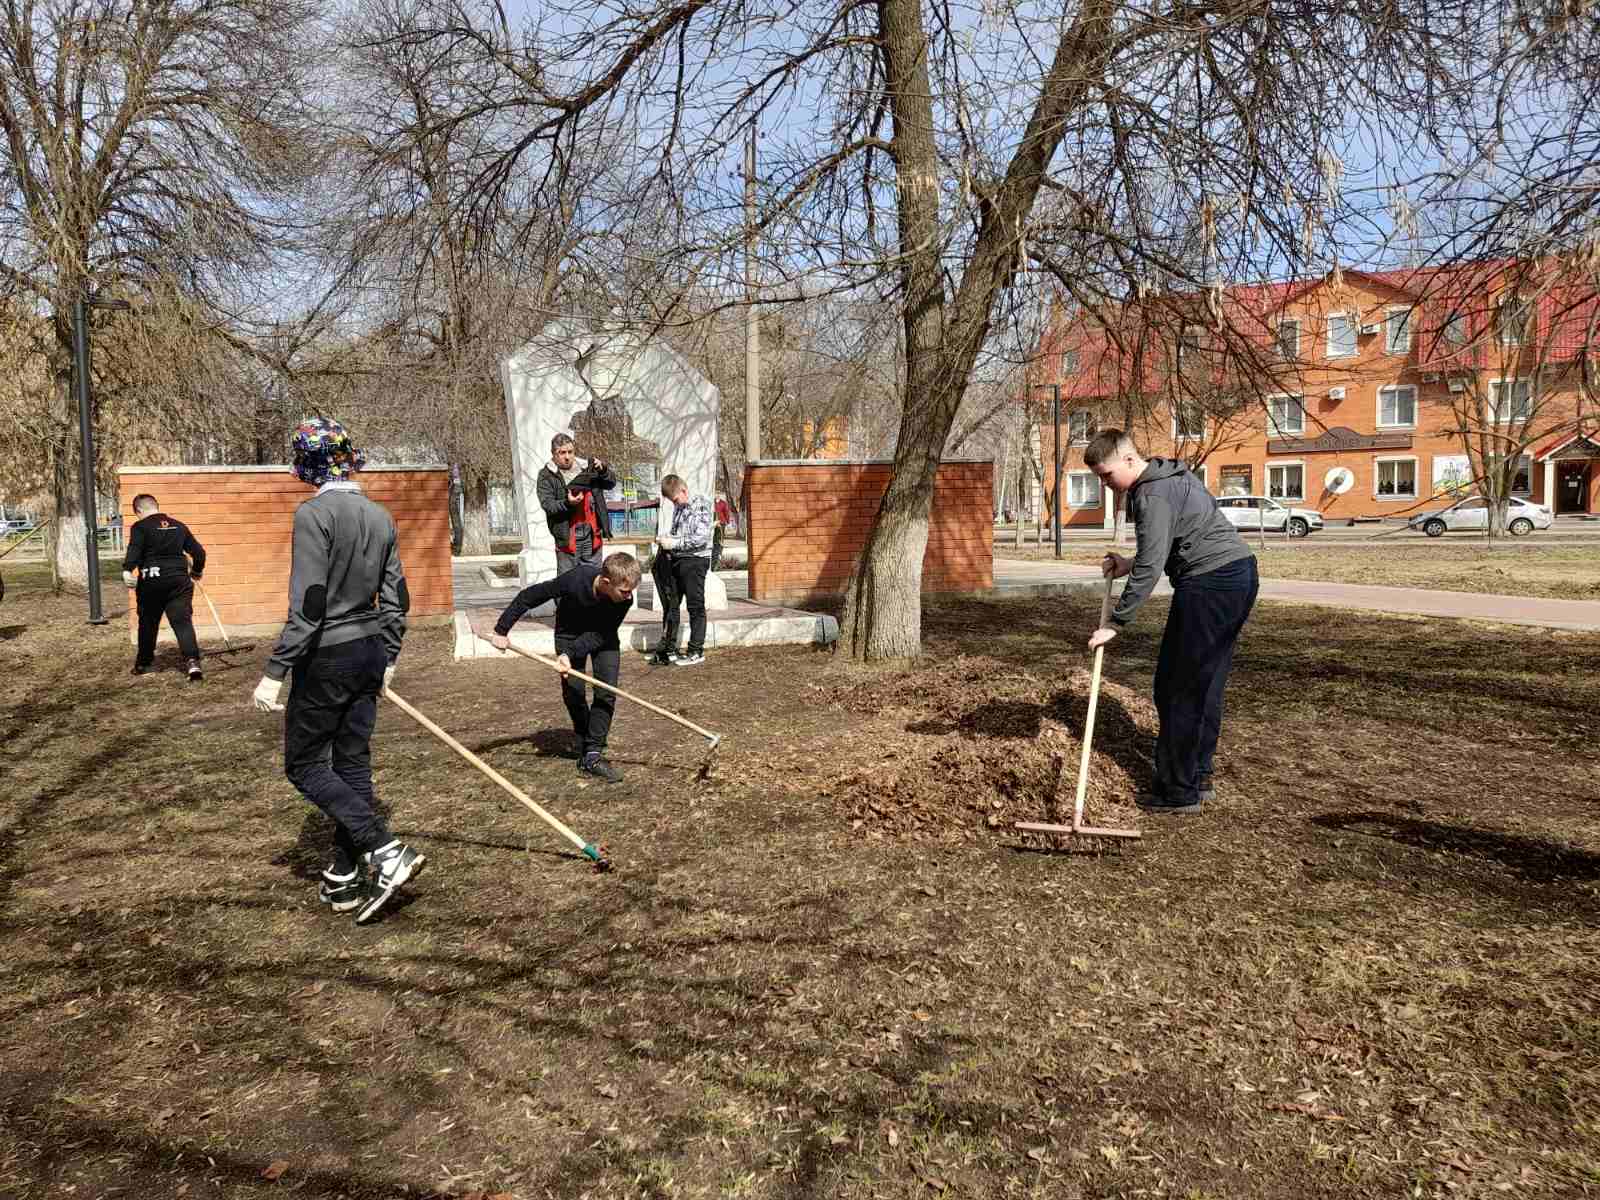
(322, 451)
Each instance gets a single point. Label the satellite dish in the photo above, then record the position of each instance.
(1339, 480)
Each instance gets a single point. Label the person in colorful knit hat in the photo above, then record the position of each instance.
(347, 618)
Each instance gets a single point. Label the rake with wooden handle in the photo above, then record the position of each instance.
(715, 739)
(1058, 834)
(215, 616)
(595, 854)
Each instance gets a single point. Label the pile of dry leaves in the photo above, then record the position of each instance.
(963, 746)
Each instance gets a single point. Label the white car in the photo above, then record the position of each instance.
(1522, 517)
(1263, 512)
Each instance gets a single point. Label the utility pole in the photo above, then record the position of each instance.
(752, 328)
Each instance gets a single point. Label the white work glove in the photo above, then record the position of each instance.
(129, 579)
(266, 695)
(666, 541)
(388, 676)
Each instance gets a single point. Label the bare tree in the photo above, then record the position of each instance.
(149, 154)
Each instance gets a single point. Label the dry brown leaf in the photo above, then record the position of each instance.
(275, 1170)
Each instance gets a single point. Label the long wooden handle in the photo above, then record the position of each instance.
(486, 769)
(671, 716)
(1088, 720)
(214, 615)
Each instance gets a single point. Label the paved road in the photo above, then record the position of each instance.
(1019, 576)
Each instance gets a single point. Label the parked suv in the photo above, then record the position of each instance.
(1522, 517)
(1263, 512)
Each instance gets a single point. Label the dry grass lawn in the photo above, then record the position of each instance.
(1370, 969)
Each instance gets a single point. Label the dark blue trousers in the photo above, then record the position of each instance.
(1208, 612)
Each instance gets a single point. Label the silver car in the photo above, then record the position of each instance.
(1522, 517)
(1263, 512)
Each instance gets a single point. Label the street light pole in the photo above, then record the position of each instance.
(91, 509)
(1055, 441)
(91, 516)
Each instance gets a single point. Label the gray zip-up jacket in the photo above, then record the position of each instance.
(1180, 529)
(345, 580)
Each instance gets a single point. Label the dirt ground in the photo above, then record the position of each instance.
(1511, 568)
(1369, 969)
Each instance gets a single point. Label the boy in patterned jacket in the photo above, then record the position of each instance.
(687, 551)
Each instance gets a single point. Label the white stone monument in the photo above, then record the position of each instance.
(563, 372)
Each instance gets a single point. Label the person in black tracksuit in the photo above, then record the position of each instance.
(591, 601)
(574, 504)
(163, 582)
(1214, 586)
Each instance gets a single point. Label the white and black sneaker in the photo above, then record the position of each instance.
(341, 892)
(195, 673)
(388, 867)
(690, 658)
(592, 764)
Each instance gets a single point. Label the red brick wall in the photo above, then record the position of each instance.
(244, 517)
(809, 521)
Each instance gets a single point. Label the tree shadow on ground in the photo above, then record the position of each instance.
(546, 743)
(1534, 859)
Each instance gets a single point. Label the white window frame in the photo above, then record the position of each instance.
(1275, 463)
(1521, 493)
(1072, 479)
(1193, 435)
(1353, 324)
(1199, 332)
(1397, 387)
(1506, 336)
(1276, 430)
(1495, 393)
(1391, 344)
(1088, 426)
(1069, 362)
(1454, 330)
(1292, 354)
(1416, 477)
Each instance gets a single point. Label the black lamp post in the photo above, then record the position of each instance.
(91, 514)
(1055, 441)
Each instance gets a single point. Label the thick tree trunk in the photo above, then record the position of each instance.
(475, 523)
(69, 558)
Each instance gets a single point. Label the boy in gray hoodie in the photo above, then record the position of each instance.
(347, 617)
(1214, 584)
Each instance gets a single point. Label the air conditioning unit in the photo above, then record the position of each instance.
(1458, 385)
(1430, 377)
(1369, 330)
(1336, 393)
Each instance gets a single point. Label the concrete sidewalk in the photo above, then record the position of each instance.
(1020, 578)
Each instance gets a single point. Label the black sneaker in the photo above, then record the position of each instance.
(1159, 805)
(659, 659)
(692, 658)
(593, 764)
(390, 867)
(342, 892)
(138, 670)
(195, 675)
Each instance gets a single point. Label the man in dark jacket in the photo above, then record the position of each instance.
(574, 503)
(1214, 583)
(591, 601)
(163, 582)
(347, 618)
